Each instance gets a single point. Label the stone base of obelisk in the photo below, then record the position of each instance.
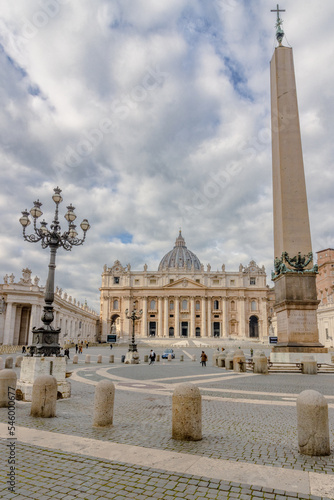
(132, 358)
(32, 367)
(296, 306)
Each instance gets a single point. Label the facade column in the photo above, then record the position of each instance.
(242, 320)
(9, 324)
(192, 317)
(225, 318)
(209, 317)
(105, 317)
(204, 332)
(160, 330)
(177, 317)
(165, 327)
(17, 326)
(144, 318)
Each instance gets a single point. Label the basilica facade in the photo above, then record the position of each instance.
(182, 299)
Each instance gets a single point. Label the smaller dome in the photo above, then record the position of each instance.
(180, 257)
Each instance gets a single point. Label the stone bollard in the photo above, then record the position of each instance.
(215, 358)
(239, 361)
(181, 357)
(193, 358)
(9, 362)
(99, 358)
(169, 357)
(111, 358)
(7, 386)
(146, 358)
(18, 361)
(44, 397)
(229, 361)
(87, 359)
(260, 363)
(75, 359)
(158, 357)
(309, 365)
(187, 412)
(312, 424)
(104, 404)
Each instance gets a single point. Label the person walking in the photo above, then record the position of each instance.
(204, 358)
(76, 348)
(152, 357)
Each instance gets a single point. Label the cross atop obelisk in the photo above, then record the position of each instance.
(278, 25)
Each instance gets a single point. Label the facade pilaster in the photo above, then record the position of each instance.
(225, 317)
(177, 317)
(165, 327)
(192, 317)
(242, 319)
(204, 331)
(160, 330)
(209, 318)
(144, 318)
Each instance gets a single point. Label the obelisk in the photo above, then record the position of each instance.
(295, 275)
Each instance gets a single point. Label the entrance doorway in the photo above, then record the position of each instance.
(184, 328)
(171, 331)
(253, 327)
(198, 331)
(216, 329)
(152, 328)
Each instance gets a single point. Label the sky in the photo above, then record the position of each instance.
(151, 116)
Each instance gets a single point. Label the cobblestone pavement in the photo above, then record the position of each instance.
(246, 418)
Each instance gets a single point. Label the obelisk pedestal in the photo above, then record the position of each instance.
(295, 275)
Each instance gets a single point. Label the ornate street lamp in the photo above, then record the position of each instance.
(133, 316)
(45, 339)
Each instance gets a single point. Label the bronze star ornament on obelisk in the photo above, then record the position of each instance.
(295, 274)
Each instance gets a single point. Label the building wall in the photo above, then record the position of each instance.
(184, 302)
(325, 278)
(21, 307)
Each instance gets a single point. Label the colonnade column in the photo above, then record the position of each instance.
(33, 322)
(9, 324)
(144, 318)
(159, 316)
(177, 317)
(204, 331)
(209, 317)
(165, 328)
(192, 317)
(225, 322)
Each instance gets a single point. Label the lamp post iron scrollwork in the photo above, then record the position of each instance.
(45, 339)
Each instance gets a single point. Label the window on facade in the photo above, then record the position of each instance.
(216, 305)
(253, 305)
(171, 281)
(116, 280)
(252, 281)
(171, 306)
(115, 305)
(152, 304)
(184, 305)
(198, 281)
(137, 282)
(198, 306)
(232, 282)
(153, 281)
(232, 305)
(79, 324)
(215, 282)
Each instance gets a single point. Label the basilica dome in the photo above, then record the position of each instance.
(180, 257)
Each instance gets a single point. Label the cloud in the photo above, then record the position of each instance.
(153, 116)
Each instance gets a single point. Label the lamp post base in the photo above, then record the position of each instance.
(132, 358)
(45, 342)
